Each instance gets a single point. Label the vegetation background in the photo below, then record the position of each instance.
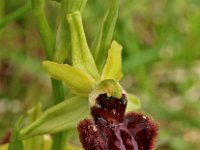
(161, 62)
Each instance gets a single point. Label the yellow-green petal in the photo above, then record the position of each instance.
(78, 81)
(113, 66)
(133, 103)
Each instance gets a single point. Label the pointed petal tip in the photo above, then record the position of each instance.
(116, 44)
(46, 64)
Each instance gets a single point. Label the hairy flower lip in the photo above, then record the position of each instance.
(143, 128)
(108, 131)
(101, 135)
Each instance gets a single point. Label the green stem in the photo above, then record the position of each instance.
(49, 45)
(58, 91)
(43, 27)
(59, 141)
(14, 15)
(62, 47)
(45, 33)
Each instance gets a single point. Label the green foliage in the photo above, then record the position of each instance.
(60, 117)
(15, 143)
(104, 37)
(19, 13)
(43, 27)
(62, 48)
(35, 142)
(160, 61)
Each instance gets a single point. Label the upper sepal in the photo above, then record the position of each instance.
(113, 67)
(81, 55)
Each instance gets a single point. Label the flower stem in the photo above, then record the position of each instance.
(61, 49)
(58, 91)
(59, 141)
(49, 45)
(45, 33)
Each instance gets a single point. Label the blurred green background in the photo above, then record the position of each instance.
(161, 62)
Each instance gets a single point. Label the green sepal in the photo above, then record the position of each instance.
(113, 66)
(133, 103)
(108, 86)
(81, 55)
(60, 117)
(62, 46)
(78, 81)
(104, 37)
(15, 143)
(35, 143)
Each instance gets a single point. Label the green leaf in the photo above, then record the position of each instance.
(133, 103)
(109, 86)
(35, 143)
(58, 118)
(81, 55)
(19, 13)
(15, 143)
(113, 66)
(62, 49)
(78, 81)
(104, 37)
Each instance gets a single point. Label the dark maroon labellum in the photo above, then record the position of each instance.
(111, 130)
